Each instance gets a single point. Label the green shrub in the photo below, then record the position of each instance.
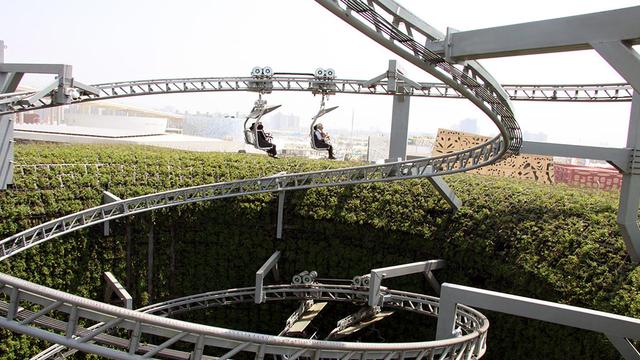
(549, 242)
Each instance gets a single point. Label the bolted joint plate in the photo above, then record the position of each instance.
(261, 86)
(634, 166)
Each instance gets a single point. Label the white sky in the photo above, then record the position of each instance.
(121, 40)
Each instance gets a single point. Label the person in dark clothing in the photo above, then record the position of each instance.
(320, 139)
(264, 140)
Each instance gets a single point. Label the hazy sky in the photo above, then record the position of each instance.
(121, 40)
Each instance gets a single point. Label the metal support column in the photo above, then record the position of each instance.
(129, 265)
(6, 151)
(630, 190)
(271, 263)
(280, 214)
(6, 134)
(399, 127)
(150, 262)
(108, 198)
(446, 192)
(398, 146)
(626, 61)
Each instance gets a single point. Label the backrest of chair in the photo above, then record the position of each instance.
(249, 138)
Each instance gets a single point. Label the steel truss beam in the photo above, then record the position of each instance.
(573, 93)
(57, 92)
(382, 21)
(546, 36)
(465, 160)
(129, 326)
(18, 102)
(469, 81)
(616, 327)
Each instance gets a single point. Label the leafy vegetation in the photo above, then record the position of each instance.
(549, 242)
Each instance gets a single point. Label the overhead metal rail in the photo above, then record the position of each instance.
(17, 102)
(385, 22)
(381, 21)
(470, 81)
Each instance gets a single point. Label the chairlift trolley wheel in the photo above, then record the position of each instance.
(330, 73)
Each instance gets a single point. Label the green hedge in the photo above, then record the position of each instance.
(549, 242)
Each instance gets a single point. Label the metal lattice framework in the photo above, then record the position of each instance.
(19, 102)
(395, 28)
(381, 20)
(446, 164)
(573, 93)
(391, 26)
(128, 328)
(470, 81)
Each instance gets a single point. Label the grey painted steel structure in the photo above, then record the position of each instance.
(470, 80)
(8, 83)
(418, 43)
(619, 329)
(153, 320)
(376, 298)
(113, 286)
(399, 127)
(107, 198)
(281, 196)
(611, 34)
(468, 159)
(396, 81)
(18, 102)
(630, 191)
(618, 158)
(626, 61)
(270, 264)
(545, 36)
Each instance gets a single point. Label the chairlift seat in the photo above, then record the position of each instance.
(305, 319)
(323, 111)
(251, 136)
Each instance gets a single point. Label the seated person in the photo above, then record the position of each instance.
(320, 139)
(264, 140)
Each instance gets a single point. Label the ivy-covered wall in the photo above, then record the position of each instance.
(553, 243)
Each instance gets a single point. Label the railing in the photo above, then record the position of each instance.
(127, 327)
